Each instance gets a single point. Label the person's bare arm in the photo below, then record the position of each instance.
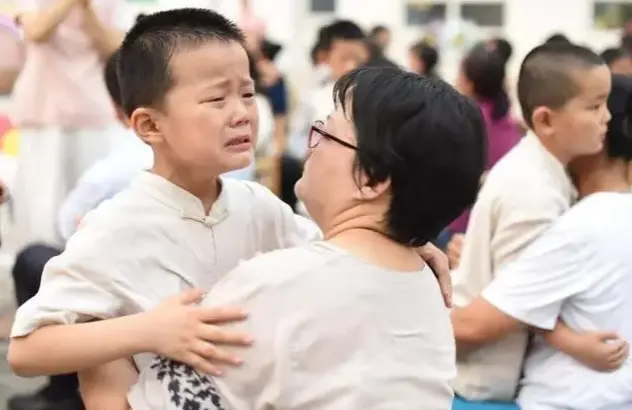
(105, 387)
(76, 347)
(106, 40)
(177, 328)
(39, 26)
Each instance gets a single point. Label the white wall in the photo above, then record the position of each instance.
(526, 24)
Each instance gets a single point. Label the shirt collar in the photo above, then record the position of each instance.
(554, 166)
(188, 205)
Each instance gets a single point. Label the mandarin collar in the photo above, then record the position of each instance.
(557, 169)
(188, 205)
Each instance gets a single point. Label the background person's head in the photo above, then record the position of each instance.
(423, 59)
(114, 89)
(563, 90)
(380, 36)
(557, 38)
(343, 46)
(482, 77)
(613, 161)
(619, 60)
(186, 86)
(502, 47)
(401, 154)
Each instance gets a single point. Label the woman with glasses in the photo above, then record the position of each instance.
(356, 321)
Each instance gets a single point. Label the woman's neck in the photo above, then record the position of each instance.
(363, 236)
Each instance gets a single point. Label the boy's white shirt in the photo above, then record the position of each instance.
(153, 241)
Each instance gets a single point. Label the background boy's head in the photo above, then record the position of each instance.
(186, 87)
(619, 60)
(344, 47)
(614, 160)
(114, 88)
(380, 36)
(563, 90)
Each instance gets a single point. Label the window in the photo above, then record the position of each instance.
(323, 6)
(420, 14)
(611, 14)
(483, 14)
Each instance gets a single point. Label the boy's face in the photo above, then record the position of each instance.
(345, 55)
(579, 127)
(209, 119)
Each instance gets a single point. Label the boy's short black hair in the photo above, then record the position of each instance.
(111, 78)
(339, 30)
(411, 129)
(618, 143)
(548, 75)
(145, 55)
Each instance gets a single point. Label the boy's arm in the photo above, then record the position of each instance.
(601, 351)
(105, 387)
(59, 349)
(178, 329)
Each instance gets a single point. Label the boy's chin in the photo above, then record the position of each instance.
(239, 161)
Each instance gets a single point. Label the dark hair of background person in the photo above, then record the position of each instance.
(428, 55)
(377, 30)
(626, 42)
(503, 47)
(618, 142)
(339, 30)
(611, 55)
(557, 38)
(410, 128)
(485, 68)
(548, 76)
(270, 50)
(145, 55)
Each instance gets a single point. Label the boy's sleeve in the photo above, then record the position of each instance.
(81, 284)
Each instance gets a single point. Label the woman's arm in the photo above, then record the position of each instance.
(39, 26)
(106, 40)
(105, 387)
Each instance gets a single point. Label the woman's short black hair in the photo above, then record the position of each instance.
(423, 136)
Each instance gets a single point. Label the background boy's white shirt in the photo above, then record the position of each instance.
(152, 241)
(580, 270)
(522, 196)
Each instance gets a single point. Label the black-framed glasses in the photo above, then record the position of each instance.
(316, 133)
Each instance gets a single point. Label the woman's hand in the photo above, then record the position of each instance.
(185, 332)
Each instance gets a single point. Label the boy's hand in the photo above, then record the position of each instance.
(601, 351)
(185, 332)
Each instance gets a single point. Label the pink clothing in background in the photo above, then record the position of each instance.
(502, 135)
(61, 83)
(10, 44)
